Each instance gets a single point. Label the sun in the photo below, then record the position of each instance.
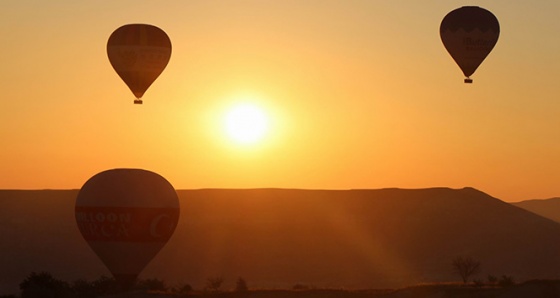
(246, 123)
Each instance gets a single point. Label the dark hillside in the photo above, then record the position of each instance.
(281, 237)
(549, 208)
(357, 238)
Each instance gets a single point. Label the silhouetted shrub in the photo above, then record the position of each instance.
(492, 279)
(506, 281)
(83, 289)
(241, 285)
(43, 285)
(105, 286)
(184, 289)
(478, 283)
(152, 284)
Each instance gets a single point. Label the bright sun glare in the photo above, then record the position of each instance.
(246, 123)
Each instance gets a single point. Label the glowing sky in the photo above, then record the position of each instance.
(360, 94)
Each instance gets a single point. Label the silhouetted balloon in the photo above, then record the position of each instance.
(469, 34)
(126, 216)
(139, 53)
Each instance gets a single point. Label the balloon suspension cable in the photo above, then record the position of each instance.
(468, 80)
(138, 101)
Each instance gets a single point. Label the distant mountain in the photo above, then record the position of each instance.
(276, 238)
(549, 208)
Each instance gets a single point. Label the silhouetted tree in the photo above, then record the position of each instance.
(466, 267)
(43, 285)
(241, 285)
(214, 283)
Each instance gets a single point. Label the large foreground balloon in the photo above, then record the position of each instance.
(469, 34)
(139, 53)
(126, 216)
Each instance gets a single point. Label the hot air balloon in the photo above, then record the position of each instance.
(126, 216)
(469, 34)
(139, 53)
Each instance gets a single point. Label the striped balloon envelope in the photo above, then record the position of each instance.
(469, 34)
(139, 53)
(127, 216)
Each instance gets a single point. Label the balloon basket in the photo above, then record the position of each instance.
(468, 81)
(138, 102)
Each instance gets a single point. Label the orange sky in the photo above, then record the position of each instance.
(360, 94)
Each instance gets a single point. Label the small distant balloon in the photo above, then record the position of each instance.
(126, 216)
(469, 34)
(139, 53)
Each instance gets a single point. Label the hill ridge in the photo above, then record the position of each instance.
(361, 238)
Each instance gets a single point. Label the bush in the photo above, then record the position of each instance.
(478, 283)
(105, 286)
(506, 281)
(83, 289)
(153, 284)
(43, 285)
(184, 289)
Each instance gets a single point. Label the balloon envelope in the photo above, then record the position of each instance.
(139, 53)
(469, 34)
(126, 216)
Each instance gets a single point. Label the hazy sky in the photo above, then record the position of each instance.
(359, 94)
